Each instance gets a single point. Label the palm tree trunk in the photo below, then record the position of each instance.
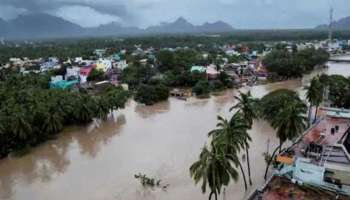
(210, 195)
(315, 115)
(243, 174)
(215, 195)
(280, 146)
(309, 115)
(271, 159)
(248, 166)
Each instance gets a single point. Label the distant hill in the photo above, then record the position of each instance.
(113, 28)
(341, 24)
(218, 26)
(181, 25)
(34, 26)
(39, 26)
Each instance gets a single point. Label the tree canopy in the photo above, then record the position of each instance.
(31, 113)
(288, 64)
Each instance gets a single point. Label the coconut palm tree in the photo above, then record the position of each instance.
(232, 137)
(214, 170)
(314, 94)
(53, 123)
(289, 123)
(102, 108)
(116, 98)
(83, 111)
(247, 107)
(20, 126)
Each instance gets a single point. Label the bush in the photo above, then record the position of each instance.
(294, 64)
(283, 63)
(96, 75)
(201, 88)
(226, 79)
(216, 85)
(136, 74)
(151, 94)
(339, 91)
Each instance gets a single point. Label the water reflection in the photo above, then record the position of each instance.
(148, 111)
(194, 102)
(91, 142)
(50, 160)
(38, 165)
(225, 97)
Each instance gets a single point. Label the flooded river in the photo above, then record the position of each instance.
(98, 162)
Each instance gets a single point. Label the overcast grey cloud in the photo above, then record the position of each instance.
(239, 13)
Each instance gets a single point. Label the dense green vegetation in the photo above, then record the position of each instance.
(96, 75)
(31, 113)
(201, 88)
(137, 74)
(337, 87)
(339, 90)
(172, 69)
(150, 94)
(288, 64)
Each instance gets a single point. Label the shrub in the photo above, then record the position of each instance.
(151, 94)
(201, 88)
(216, 85)
(96, 75)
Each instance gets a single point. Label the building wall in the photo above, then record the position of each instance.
(308, 172)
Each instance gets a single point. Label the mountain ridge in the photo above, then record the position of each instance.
(41, 25)
(341, 24)
(181, 25)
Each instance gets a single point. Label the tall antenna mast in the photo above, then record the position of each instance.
(330, 28)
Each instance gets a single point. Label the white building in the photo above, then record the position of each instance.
(232, 53)
(55, 79)
(78, 59)
(72, 72)
(121, 64)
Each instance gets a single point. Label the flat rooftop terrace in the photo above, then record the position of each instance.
(280, 188)
(322, 133)
(323, 142)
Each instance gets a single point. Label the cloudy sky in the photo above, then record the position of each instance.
(251, 14)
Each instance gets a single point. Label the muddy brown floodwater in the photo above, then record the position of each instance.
(98, 162)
